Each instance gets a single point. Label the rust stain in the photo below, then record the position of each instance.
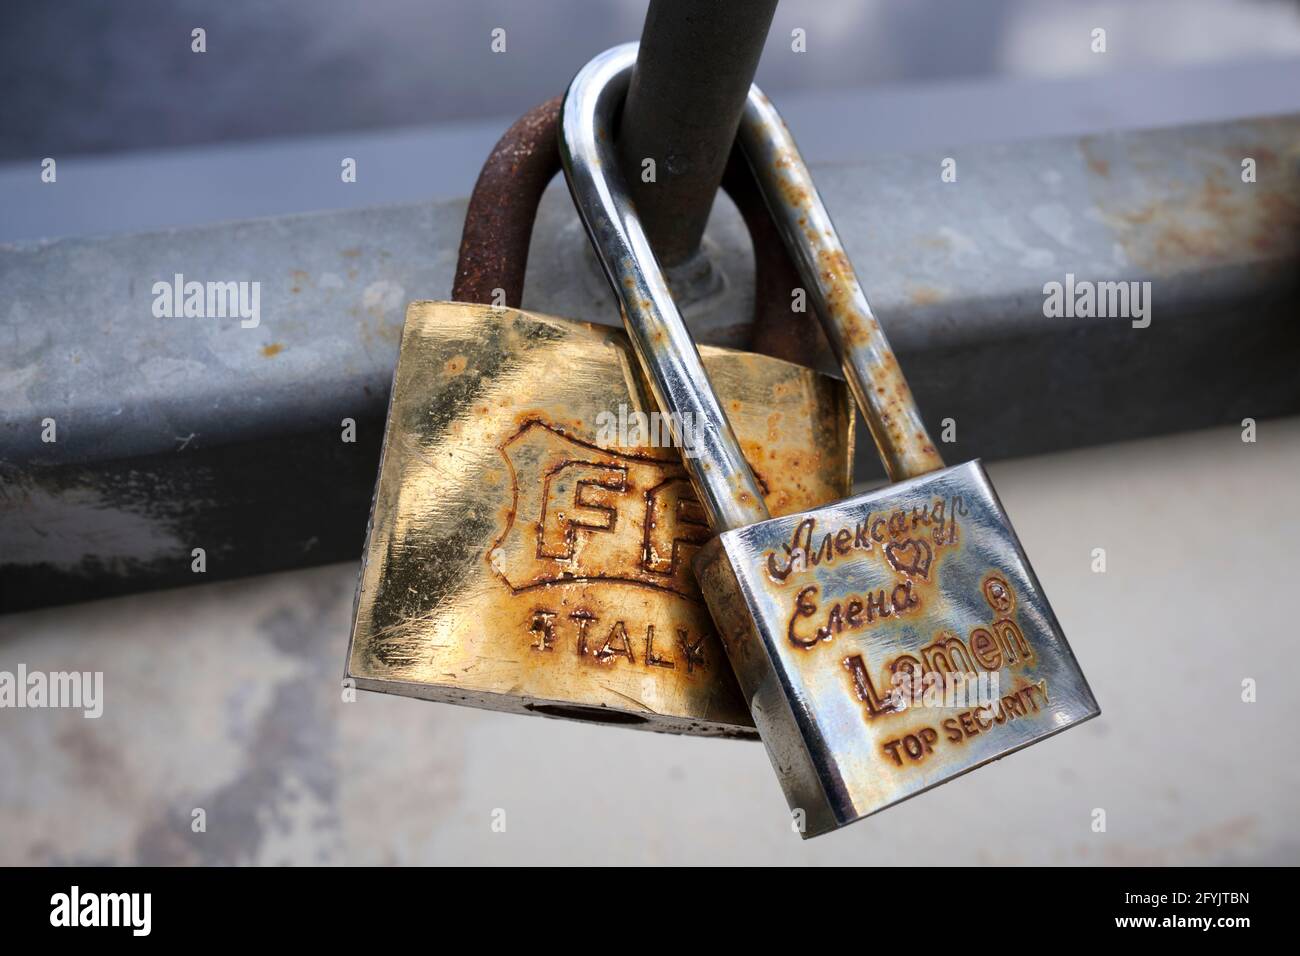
(1138, 216)
(925, 295)
(1210, 217)
(890, 414)
(272, 350)
(388, 331)
(794, 194)
(499, 221)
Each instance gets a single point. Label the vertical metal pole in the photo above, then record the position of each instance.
(696, 62)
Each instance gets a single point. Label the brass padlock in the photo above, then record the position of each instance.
(523, 556)
(887, 643)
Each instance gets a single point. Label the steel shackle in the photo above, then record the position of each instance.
(723, 480)
(667, 352)
(822, 612)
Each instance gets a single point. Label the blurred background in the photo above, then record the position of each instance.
(225, 696)
(94, 77)
(113, 91)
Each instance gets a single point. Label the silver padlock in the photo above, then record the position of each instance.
(884, 644)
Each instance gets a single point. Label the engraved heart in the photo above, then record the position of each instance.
(911, 557)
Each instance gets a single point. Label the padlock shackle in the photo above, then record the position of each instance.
(861, 348)
(663, 344)
(723, 480)
(503, 207)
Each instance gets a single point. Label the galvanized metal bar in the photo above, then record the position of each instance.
(177, 433)
(692, 75)
(722, 478)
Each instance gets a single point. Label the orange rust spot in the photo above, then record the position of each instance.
(1138, 216)
(794, 194)
(1181, 242)
(272, 350)
(1214, 219)
(1263, 155)
(925, 295)
(455, 365)
(1099, 166)
(774, 427)
(857, 331)
(1212, 198)
(352, 253)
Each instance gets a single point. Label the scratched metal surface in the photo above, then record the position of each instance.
(953, 593)
(226, 697)
(521, 558)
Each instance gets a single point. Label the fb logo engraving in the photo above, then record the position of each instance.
(582, 514)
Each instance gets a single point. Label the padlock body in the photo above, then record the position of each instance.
(890, 642)
(532, 533)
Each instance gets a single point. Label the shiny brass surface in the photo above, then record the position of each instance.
(523, 558)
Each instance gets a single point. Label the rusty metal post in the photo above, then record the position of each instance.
(692, 75)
